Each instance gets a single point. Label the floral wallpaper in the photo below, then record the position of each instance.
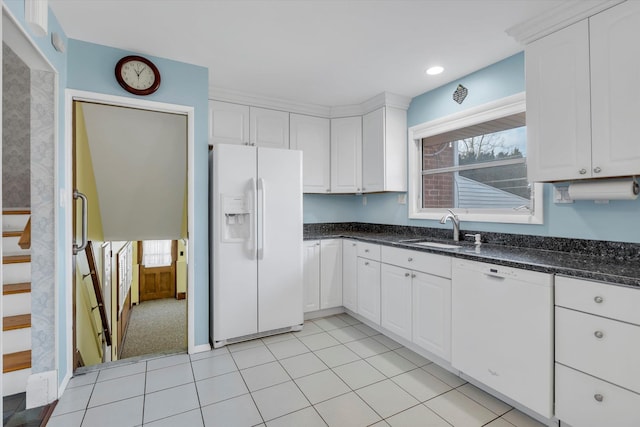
(42, 221)
(15, 131)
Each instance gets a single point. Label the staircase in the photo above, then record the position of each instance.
(16, 304)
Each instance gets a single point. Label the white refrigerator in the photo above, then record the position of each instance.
(256, 242)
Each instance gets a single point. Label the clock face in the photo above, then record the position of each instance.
(137, 75)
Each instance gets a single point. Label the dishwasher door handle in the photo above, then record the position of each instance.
(494, 276)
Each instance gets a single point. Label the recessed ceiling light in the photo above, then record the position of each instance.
(435, 70)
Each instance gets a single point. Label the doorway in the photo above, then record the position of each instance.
(124, 211)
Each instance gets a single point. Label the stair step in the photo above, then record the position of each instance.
(16, 259)
(16, 288)
(20, 321)
(16, 361)
(16, 212)
(16, 273)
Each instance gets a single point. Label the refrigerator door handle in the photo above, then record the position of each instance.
(261, 246)
(252, 230)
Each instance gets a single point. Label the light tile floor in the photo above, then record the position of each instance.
(336, 371)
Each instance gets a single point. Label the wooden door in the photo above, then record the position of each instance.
(158, 282)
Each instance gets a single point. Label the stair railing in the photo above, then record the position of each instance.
(25, 237)
(97, 289)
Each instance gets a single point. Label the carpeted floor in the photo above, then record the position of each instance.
(156, 326)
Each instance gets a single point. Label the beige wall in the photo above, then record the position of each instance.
(85, 180)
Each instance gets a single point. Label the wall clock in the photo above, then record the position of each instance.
(137, 75)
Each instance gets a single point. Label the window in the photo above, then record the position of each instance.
(156, 253)
(474, 163)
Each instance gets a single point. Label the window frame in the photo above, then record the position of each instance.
(483, 113)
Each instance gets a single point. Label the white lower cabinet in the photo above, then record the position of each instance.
(311, 275)
(369, 289)
(395, 285)
(431, 312)
(586, 401)
(597, 336)
(322, 274)
(330, 273)
(349, 274)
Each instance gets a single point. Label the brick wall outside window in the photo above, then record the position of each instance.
(438, 189)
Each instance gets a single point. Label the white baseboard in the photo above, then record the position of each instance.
(42, 389)
(323, 313)
(199, 348)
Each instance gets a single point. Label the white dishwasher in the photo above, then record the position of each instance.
(502, 330)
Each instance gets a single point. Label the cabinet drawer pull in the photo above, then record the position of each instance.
(598, 397)
(366, 250)
(597, 169)
(413, 276)
(409, 259)
(598, 299)
(407, 274)
(366, 263)
(353, 244)
(582, 171)
(599, 334)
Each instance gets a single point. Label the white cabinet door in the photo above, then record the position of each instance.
(330, 273)
(373, 164)
(228, 123)
(346, 155)
(349, 275)
(558, 105)
(312, 136)
(615, 67)
(432, 314)
(369, 289)
(384, 150)
(269, 128)
(395, 284)
(311, 281)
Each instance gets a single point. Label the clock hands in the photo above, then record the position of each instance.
(139, 71)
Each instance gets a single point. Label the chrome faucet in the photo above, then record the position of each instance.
(456, 224)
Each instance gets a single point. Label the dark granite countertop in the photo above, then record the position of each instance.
(612, 262)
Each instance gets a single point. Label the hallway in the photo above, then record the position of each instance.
(336, 371)
(156, 326)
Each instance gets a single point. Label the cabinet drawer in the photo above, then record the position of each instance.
(369, 250)
(437, 265)
(616, 302)
(585, 401)
(601, 347)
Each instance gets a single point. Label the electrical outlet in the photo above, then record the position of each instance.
(402, 199)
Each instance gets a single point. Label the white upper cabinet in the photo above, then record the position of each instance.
(228, 123)
(269, 128)
(311, 135)
(384, 150)
(240, 124)
(582, 98)
(558, 112)
(615, 93)
(346, 155)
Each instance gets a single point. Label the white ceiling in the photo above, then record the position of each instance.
(321, 52)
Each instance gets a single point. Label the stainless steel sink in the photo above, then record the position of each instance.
(436, 245)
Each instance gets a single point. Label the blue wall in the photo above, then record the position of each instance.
(616, 221)
(91, 68)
